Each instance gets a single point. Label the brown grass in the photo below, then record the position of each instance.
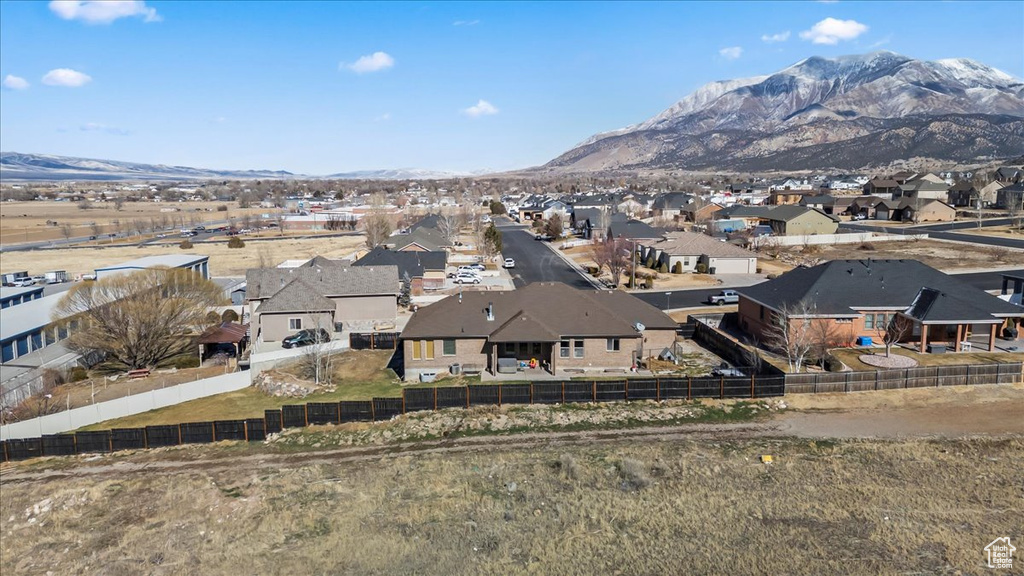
(935, 253)
(26, 221)
(850, 356)
(855, 507)
(224, 261)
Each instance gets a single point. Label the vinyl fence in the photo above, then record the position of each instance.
(379, 409)
(125, 406)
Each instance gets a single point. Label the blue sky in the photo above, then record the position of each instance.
(317, 88)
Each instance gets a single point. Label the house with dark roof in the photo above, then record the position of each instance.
(422, 239)
(881, 187)
(283, 301)
(556, 328)
(587, 221)
(801, 221)
(1011, 197)
(963, 193)
(620, 227)
(426, 270)
(859, 298)
(1008, 175)
(923, 188)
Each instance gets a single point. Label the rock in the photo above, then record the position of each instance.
(511, 486)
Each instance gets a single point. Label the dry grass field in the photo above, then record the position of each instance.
(224, 261)
(935, 253)
(26, 221)
(702, 505)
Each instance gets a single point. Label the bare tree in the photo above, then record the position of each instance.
(377, 222)
(893, 331)
(84, 204)
(97, 229)
(118, 203)
(825, 335)
(139, 319)
(790, 334)
(448, 226)
(66, 230)
(613, 254)
(317, 357)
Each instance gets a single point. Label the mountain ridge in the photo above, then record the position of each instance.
(877, 93)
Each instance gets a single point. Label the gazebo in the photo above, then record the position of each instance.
(227, 336)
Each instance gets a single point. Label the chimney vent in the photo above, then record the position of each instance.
(490, 311)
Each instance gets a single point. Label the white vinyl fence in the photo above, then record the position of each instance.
(125, 406)
(828, 239)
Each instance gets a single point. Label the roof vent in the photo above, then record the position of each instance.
(490, 311)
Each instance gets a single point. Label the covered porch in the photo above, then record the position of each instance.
(531, 360)
(229, 338)
(939, 321)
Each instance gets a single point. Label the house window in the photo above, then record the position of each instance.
(577, 348)
(612, 345)
(536, 348)
(869, 321)
(429, 354)
(563, 349)
(448, 347)
(510, 348)
(762, 313)
(416, 352)
(295, 323)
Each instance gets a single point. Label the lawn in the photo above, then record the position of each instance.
(360, 375)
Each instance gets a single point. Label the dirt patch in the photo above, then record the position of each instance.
(934, 253)
(890, 361)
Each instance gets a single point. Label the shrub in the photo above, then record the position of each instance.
(772, 276)
(185, 244)
(567, 464)
(212, 318)
(229, 316)
(183, 361)
(222, 208)
(702, 268)
(236, 242)
(868, 246)
(77, 374)
(678, 268)
(833, 364)
(663, 268)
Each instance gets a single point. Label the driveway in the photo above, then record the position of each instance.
(535, 260)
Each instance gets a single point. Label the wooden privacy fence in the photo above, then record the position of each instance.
(378, 409)
(373, 340)
(919, 377)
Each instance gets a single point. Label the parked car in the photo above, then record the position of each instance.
(466, 278)
(509, 263)
(306, 337)
(860, 216)
(23, 283)
(477, 267)
(544, 237)
(40, 279)
(724, 297)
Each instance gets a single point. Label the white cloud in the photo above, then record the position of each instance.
(482, 108)
(96, 127)
(12, 82)
(780, 37)
(371, 63)
(66, 77)
(383, 117)
(831, 31)
(103, 11)
(731, 53)
(881, 42)
(465, 23)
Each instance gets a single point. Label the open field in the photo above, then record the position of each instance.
(934, 253)
(224, 261)
(629, 501)
(26, 221)
(850, 356)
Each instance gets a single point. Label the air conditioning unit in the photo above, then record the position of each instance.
(455, 369)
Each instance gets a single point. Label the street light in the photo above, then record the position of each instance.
(668, 300)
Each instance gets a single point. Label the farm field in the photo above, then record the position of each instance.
(224, 261)
(26, 221)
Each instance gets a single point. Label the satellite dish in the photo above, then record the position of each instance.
(639, 327)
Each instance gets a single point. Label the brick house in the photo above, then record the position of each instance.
(563, 329)
(858, 298)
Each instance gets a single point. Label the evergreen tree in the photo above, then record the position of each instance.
(405, 296)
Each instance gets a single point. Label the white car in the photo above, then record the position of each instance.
(466, 278)
(24, 282)
(478, 267)
(509, 263)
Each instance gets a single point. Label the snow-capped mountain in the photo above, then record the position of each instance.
(949, 110)
(17, 166)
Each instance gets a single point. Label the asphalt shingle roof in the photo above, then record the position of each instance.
(548, 308)
(632, 229)
(297, 296)
(841, 287)
(692, 243)
(411, 263)
(262, 283)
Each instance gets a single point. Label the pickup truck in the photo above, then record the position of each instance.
(724, 297)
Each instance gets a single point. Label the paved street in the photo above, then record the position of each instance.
(535, 261)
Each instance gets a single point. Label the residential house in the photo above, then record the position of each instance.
(423, 239)
(283, 301)
(426, 270)
(591, 222)
(558, 328)
(1011, 197)
(683, 251)
(923, 188)
(859, 298)
(670, 205)
(786, 196)
(881, 187)
(1008, 175)
(912, 210)
(963, 193)
(740, 217)
(990, 193)
(621, 227)
(698, 211)
(800, 221)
